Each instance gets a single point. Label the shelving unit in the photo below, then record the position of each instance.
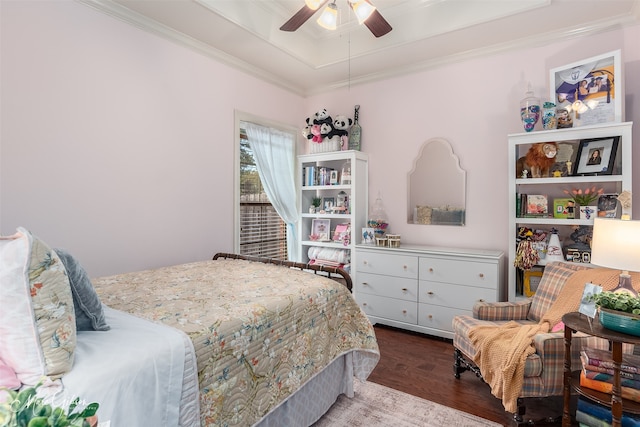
(357, 197)
(519, 144)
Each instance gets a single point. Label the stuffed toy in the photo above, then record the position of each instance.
(326, 129)
(341, 125)
(538, 160)
(306, 132)
(315, 134)
(319, 118)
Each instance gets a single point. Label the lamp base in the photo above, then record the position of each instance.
(624, 285)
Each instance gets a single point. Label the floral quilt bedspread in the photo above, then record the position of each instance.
(260, 331)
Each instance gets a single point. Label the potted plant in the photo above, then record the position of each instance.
(26, 409)
(619, 311)
(315, 204)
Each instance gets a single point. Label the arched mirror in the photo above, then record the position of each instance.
(437, 186)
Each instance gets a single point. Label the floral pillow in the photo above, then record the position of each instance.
(37, 320)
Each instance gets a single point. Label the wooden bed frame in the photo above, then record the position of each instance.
(344, 278)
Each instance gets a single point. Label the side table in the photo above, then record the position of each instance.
(579, 322)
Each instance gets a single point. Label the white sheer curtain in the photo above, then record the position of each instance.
(274, 153)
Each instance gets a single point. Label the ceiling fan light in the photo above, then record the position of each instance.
(313, 4)
(363, 10)
(329, 17)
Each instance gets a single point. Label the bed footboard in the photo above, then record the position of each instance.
(330, 272)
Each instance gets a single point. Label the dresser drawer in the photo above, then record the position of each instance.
(389, 308)
(387, 264)
(387, 286)
(448, 295)
(460, 271)
(437, 317)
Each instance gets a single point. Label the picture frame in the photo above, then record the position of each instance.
(368, 236)
(342, 233)
(587, 307)
(604, 148)
(591, 90)
(608, 206)
(321, 228)
(333, 177)
(328, 203)
(531, 281)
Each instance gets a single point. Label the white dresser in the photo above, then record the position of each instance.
(422, 288)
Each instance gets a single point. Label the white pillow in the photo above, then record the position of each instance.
(37, 321)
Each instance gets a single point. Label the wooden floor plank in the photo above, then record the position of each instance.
(422, 365)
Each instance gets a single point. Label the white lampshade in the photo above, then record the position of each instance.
(329, 17)
(616, 244)
(313, 4)
(363, 10)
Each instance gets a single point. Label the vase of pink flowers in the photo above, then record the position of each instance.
(586, 201)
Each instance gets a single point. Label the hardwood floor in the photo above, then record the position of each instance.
(422, 365)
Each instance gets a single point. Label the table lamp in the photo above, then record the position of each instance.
(616, 245)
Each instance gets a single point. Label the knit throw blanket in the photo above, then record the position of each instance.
(501, 351)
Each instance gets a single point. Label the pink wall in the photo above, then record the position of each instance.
(118, 145)
(473, 104)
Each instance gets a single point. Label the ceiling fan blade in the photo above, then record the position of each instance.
(300, 17)
(377, 24)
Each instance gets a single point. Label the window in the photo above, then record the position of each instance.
(262, 231)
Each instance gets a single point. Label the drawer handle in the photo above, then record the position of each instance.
(404, 289)
(404, 267)
(365, 284)
(364, 262)
(482, 275)
(430, 316)
(404, 311)
(480, 300)
(364, 304)
(430, 269)
(430, 293)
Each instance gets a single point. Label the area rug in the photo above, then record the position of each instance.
(375, 405)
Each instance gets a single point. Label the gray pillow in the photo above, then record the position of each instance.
(89, 313)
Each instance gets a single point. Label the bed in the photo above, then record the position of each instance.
(274, 345)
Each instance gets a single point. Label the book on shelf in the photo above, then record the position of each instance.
(537, 205)
(563, 208)
(608, 378)
(587, 420)
(604, 370)
(594, 412)
(596, 357)
(627, 392)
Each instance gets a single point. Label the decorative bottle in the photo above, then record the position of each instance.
(529, 110)
(355, 131)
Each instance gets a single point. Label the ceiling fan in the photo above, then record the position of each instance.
(366, 13)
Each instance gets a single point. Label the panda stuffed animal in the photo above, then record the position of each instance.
(322, 116)
(341, 125)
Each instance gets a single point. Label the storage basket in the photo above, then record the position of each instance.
(325, 146)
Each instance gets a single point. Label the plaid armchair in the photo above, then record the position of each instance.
(543, 372)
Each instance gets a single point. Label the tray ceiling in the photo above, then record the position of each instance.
(426, 33)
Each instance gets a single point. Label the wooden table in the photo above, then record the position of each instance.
(579, 322)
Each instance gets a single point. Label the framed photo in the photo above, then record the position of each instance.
(537, 205)
(596, 156)
(342, 233)
(608, 206)
(333, 177)
(328, 203)
(368, 236)
(321, 228)
(588, 307)
(590, 90)
(531, 280)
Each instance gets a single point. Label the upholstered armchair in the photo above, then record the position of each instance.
(543, 371)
